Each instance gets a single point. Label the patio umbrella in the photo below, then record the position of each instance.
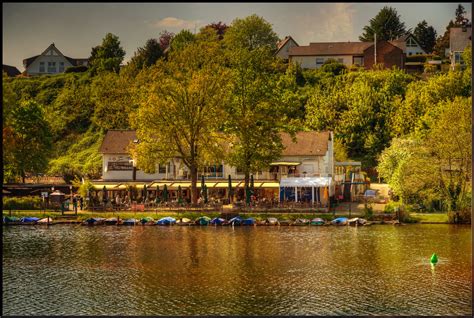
(180, 199)
(230, 189)
(247, 195)
(205, 194)
(157, 198)
(251, 185)
(105, 194)
(165, 193)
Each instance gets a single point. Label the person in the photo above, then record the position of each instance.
(81, 203)
(74, 203)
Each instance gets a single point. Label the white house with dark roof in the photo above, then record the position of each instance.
(283, 47)
(51, 61)
(409, 44)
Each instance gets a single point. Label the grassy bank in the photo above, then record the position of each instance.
(430, 217)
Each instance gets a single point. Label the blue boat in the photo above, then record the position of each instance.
(94, 221)
(340, 221)
(217, 221)
(249, 221)
(28, 219)
(203, 220)
(236, 221)
(130, 222)
(166, 221)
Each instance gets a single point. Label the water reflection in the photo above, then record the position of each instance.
(72, 270)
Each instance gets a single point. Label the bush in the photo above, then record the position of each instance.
(392, 207)
(22, 203)
(76, 69)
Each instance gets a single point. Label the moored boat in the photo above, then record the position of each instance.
(29, 219)
(301, 222)
(340, 221)
(286, 222)
(357, 221)
(203, 220)
(111, 221)
(218, 221)
(272, 221)
(47, 220)
(147, 221)
(184, 221)
(166, 221)
(317, 221)
(94, 221)
(235, 221)
(248, 221)
(130, 222)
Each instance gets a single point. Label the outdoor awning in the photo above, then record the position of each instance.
(285, 163)
(107, 186)
(306, 182)
(270, 185)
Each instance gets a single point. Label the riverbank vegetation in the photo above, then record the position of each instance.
(222, 94)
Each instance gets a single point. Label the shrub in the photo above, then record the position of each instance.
(22, 203)
(76, 69)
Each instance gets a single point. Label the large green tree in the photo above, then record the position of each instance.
(181, 40)
(108, 56)
(386, 24)
(180, 105)
(28, 141)
(252, 32)
(145, 56)
(426, 36)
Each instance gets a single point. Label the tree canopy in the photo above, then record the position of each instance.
(108, 56)
(426, 36)
(386, 24)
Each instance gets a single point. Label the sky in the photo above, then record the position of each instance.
(29, 28)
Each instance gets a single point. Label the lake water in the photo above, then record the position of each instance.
(374, 270)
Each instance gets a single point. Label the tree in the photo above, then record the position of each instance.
(178, 106)
(459, 13)
(113, 104)
(426, 36)
(165, 39)
(181, 40)
(386, 24)
(28, 140)
(442, 42)
(252, 32)
(333, 66)
(108, 56)
(219, 28)
(145, 57)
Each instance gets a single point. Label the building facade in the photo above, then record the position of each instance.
(51, 61)
(459, 39)
(283, 47)
(363, 54)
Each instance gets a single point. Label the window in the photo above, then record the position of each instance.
(458, 58)
(51, 67)
(358, 60)
(161, 168)
(319, 61)
(216, 171)
(41, 69)
(61, 67)
(411, 43)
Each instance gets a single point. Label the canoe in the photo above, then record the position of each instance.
(28, 219)
(301, 222)
(272, 221)
(286, 222)
(357, 221)
(249, 221)
(94, 221)
(111, 221)
(147, 221)
(317, 221)
(47, 220)
(166, 221)
(203, 220)
(235, 221)
(130, 222)
(340, 221)
(218, 221)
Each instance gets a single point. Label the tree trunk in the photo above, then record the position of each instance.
(23, 176)
(194, 193)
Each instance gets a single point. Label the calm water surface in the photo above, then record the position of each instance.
(377, 270)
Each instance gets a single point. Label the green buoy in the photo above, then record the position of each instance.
(434, 259)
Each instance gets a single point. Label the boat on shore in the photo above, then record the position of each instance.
(235, 221)
(111, 221)
(47, 221)
(340, 221)
(218, 221)
(94, 221)
(286, 222)
(184, 221)
(301, 222)
(28, 219)
(166, 221)
(249, 221)
(357, 221)
(272, 221)
(147, 221)
(203, 220)
(317, 221)
(130, 222)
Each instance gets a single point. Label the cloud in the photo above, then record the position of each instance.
(176, 23)
(330, 23)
